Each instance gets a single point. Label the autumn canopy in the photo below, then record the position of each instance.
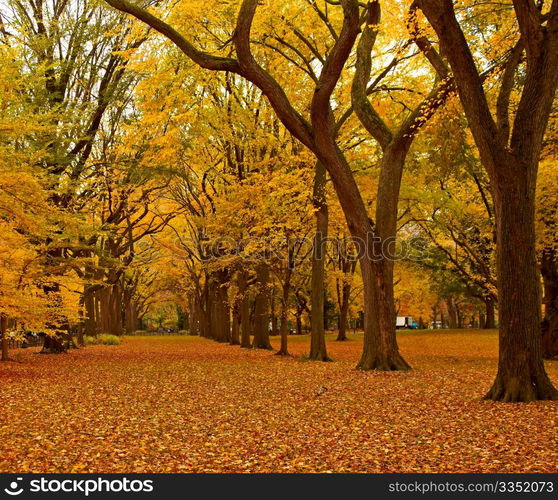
(283, 175)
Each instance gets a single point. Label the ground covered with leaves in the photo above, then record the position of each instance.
(184, 404)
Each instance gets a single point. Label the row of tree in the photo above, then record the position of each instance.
(243, 177)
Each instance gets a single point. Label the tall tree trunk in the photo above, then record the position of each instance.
(261, 312)
(286, 290)
(222, 310)
(380, 344)
(235, 324)
(452, 312)
(490, 318)
(343, 311)
(510, 154)
(521, 374)
(244, 309)
(549, 270)
(274, 321)
(318, 350)
(3, 333)
(299, 321)
(89, 310)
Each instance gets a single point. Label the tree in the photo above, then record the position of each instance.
(318, 134)
(510, 154)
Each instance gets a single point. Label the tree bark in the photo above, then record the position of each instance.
(343, 312)
(284, 330)
(510, 155)
(235, 326)
(318, 349)
(261, 312)
(490, 318)
(244, 309)
(549, 270)
(521, 374)
(3, 333)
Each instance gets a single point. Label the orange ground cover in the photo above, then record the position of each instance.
(184, 404)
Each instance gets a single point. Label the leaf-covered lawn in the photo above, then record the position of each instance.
(184, 404)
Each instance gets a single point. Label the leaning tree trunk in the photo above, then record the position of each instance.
(549, 270)
(318, 350)
(261, 313)
(521, 374)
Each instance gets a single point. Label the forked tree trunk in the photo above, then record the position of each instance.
(318, 350)
(549, 270)
(521, 375)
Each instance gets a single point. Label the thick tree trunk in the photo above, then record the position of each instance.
(3, 333)
(318, 350)
(89, 307)
(53, 345)
(261, 312)
(380, 344)
(521, 374)
(452, 313)
(549, 270)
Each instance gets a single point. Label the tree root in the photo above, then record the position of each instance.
(393, 363)
(522, 389)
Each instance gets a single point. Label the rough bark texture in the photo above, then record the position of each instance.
(510, 155)
(521, 374)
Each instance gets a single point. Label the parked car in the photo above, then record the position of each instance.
(405, 323)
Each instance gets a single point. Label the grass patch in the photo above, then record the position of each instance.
(102, 339)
